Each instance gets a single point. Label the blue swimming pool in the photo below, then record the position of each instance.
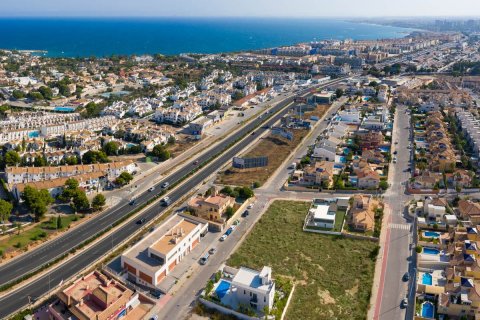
(427, 279)
(33, 134)
(431, 251)
(64, 109)
(384, 149)
(428, 310)
(431, 234)
(420, 139)
(222, 289)
(342, 159)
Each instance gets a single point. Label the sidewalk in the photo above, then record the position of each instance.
(380, 267)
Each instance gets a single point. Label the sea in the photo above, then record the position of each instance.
(85, 37)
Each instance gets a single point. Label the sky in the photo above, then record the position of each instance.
(241, 8)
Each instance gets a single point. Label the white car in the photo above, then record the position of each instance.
(233, 227)
(250, 206)
(151, 189)
(222, 238)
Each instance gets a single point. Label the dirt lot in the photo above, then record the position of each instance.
(275, 148)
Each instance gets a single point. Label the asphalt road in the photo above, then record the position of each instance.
(399, 259)
(32, 260)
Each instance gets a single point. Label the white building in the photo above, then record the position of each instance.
(322, 216)
(149, 261)
(253, 288)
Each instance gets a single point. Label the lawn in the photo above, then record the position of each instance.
(275, 148)
(339, 217)
(38, 232)
(333, 275)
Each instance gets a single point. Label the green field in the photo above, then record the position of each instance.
(333, 275)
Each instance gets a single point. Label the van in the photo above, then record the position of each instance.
(204, 259)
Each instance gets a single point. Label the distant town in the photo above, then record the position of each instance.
(334, 179)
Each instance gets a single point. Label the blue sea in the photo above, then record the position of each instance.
(83, 37)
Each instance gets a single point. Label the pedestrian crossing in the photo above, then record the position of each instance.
(399, 226)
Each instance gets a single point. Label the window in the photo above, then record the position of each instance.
(264, 299)
(244, 292)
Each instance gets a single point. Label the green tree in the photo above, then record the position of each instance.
(35, 96)
(59, 223)
(80, 201)
(339, 92)
(244, 192)
(110, 148)
(98, 202)
(40, 161)
(5, 210)
(161, 152)
(229, 212)
(17, 94)
(72, 160)
(124, 178)
(46, 92)
(94, 157)
(37, 200)
(12, 158)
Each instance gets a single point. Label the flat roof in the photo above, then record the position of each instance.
(139, 252)
(250, 278)
(173, 237)
(321, 212)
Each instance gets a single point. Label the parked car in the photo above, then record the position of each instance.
(250, 206)
(245, 213)
(406, 276)
(151, 189)
(395, 152)
(222, 238)
(132, 202)
(232, 227)
(229, 230)
(195, 162)
(212, 250)
(404, 303)
(165, 185)
(141, 221)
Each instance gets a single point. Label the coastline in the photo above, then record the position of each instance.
(176, 36)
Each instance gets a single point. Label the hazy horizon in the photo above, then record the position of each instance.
(345, 9)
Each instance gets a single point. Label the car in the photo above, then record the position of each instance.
(195, 162)
(396, 142)
(229, 231)
(245, 214)
(250, 206)
(222, 238)
(141, 221)
(132, 202)
(253, 133)
(233, 227)
(165, 185)
(406, 276)
(151, 189)
(404, 303)
(166, 201)
(395, 152)
(212, 250)
(204, 259)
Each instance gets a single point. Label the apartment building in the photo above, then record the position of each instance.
(15, 175)
(153, 258)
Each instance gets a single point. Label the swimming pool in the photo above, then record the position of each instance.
(342, 159)
(64, 109)
(431, 234)
(384, 149)
(427, 279)
(419, 139)
(34, 134)
(431, 251)
(222, 289)
(427, 310)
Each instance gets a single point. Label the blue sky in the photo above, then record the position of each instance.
(255, 8)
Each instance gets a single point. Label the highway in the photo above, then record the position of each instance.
(30, 261)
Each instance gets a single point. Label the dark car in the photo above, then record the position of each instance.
(132, 202)
(141, 221)
(253, 133)
(406, 276)
(395, 152)
(245, 213)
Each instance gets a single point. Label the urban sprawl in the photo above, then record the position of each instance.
(333, 179)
